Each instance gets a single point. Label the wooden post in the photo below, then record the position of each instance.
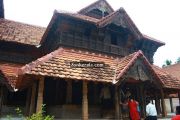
(157, 103)
(143, 110)
(69, 92)
(1, 98)
(40, 94)
(179, 97)
(117, 115)
(85, 101)
(164, 112)
(171, 105)
(95, 93)
(33, 97)
(57, 92)
(28, 100)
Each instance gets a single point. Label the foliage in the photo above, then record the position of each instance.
(167, 62)
(40, 115)
(178, 60)
(36, 116)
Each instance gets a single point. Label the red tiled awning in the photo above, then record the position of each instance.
(9, 74)
(168, 80)
(57, 64)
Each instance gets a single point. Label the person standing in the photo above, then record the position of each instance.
(134, 114)
(151, 112)
(177, 117)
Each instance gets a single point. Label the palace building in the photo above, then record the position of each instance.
(78, 60)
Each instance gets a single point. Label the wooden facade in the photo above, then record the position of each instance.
(36, 66)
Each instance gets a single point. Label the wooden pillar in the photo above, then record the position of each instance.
(28, 101)
(69, 92)
(117, 111)
(57, 92)
(95, 93)
(179, 97)
(33, 97)
(157, 103)
(164, 112)
(142, 101)
(171, 104)
(1, 98)
(40, 94)
(85, 101)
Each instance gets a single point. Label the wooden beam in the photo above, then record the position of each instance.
(171, 104)
(164, 112)
(40, 94)
(33, 97)
(28, 101)
(85, 101)
(117, 108)
(69, 92)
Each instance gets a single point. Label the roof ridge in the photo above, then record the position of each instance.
(81, 11)
(22, 23)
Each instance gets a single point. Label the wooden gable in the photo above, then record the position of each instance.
(98, 9)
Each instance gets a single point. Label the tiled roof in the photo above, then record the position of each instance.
(20, 33)
(9, 72)
(125, 63)
(153, 39)
(168, 80)
(109, 19)
(173, 70)
(125, 18)
(57, 64)
(77, 16)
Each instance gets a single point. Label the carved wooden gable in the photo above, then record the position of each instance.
(139, 71)
(98, 9)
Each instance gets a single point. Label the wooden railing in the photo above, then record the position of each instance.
(82, 42)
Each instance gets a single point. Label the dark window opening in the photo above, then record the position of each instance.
(87, 32)
(16, 98)
(113, 39)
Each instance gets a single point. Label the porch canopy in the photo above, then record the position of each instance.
(57, 64)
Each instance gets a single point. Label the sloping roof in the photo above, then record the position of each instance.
(125, 63)
(168, 80)
(77, 16)
(153, 39)
(96, 4)
(9, 73)
(12, 31)
(173, 69)
(124, 18)
(57, 64)
(107, 20)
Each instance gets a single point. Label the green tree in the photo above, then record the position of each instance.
(178, 60)
(167, 62)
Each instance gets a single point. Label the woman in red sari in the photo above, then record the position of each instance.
(134, 114)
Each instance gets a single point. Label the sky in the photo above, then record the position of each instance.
(159, 19)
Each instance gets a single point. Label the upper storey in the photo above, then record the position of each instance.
(99, 28)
